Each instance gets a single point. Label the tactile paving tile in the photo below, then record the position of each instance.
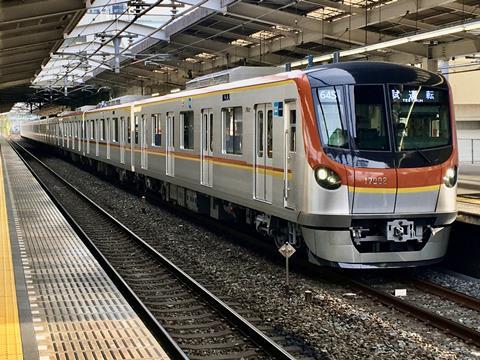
(77, 311)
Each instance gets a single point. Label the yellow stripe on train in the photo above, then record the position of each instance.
(405, 190)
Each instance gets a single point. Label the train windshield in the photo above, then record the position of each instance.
(370, 131)
(420, 116)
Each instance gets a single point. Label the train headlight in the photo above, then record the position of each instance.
(327, 178)
(450, 178)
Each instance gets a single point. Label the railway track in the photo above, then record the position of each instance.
(447, 324)
(188, 320)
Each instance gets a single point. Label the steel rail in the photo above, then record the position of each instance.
(442, 291)
(267, 344)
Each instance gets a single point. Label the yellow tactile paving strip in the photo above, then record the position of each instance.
(10, 339)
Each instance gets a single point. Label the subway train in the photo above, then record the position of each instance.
(355, 162)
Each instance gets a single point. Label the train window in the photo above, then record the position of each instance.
(186, 124)
(136, 129)
(205, 132)
(156, 130)
(370, 130)
(293, 130)
(260, 134)
(129, 130)
(331, 117)
(114, 129)
(102, 129)
(232, 130)
(211, 132)
(92, 129)
(270, 133)
(75, 129)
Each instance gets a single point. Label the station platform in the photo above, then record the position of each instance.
(469, 194)
(56, 302)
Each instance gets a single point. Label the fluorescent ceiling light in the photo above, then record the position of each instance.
(474, 25)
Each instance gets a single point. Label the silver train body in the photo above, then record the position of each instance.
(250, 151)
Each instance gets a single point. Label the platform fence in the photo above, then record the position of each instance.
(469, 151)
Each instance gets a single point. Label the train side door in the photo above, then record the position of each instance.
(290, 149)
(263, 152)
(206, 152)
(170, 145)
(143, 143)
(123, 131)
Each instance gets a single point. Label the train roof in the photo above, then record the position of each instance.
(372, 72)
(342, 73)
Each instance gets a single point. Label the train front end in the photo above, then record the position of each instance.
(382, 154)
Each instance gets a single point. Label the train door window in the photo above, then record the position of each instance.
(156, 130)
(102, 129)
(211, 132)
(92, 129)
(75, 129)
(186, 124)
(269, 133)
(136, 129)
(115, 130)
(232, 130)
(293, 130)
(129, 130)
(260, 133)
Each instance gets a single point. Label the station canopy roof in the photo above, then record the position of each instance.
(158, 45)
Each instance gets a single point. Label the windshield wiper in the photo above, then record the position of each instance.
(417, 149)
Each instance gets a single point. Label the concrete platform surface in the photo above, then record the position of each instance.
(56, 300)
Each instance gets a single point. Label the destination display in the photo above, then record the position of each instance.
(415, 95)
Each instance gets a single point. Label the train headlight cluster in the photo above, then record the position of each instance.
(450, 178)
(327, 178)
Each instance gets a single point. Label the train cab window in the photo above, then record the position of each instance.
(370, 128)
(293, 131)
(232, 130)
(186, 124)
(269, 133)
(114, 127)
(421, 117)
(331, 117)
(136, 129)
(156, 130)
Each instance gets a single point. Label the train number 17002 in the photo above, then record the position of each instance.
(375, 180)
